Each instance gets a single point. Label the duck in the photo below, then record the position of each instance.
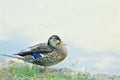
(45, 54)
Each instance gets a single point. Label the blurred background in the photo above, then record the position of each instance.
(90, 28)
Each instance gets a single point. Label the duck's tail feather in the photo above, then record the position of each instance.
(24, 53)
(12, 56)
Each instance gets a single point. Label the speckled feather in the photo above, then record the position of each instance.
(53, 53)
(52, 58)
(42, 48)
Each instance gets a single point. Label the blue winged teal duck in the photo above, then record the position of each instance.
(46, 54)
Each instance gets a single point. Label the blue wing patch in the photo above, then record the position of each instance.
(36, 55)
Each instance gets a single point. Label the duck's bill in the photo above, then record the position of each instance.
(61, 43)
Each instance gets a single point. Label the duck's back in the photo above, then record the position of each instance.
(42, 48)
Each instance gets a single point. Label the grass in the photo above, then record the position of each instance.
(17, 72)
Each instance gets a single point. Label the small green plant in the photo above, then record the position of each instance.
(17, 72)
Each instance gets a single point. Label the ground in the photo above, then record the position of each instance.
(12, 70)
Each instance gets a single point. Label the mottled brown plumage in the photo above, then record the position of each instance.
(52, 52)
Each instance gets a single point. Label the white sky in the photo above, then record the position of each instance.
(88, 24)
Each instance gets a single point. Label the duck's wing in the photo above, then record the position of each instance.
(42, 48)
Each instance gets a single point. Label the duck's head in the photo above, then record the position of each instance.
(55, 41)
